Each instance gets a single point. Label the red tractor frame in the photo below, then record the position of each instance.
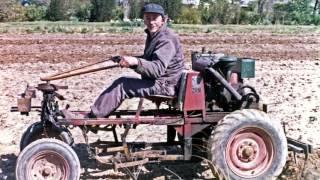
(225, 124)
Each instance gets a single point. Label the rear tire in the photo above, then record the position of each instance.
(36, 131)
(48, 159)
(247, 144)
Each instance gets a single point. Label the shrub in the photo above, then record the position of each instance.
(280, 14)
(117, 13)
(35, 13)
(189, 16)
(316, 20)
(133, 23)
(82, 11)
(10, 10)
(126, 29)
(84, 30)
(255, 18)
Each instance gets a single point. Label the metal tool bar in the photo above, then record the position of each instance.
(72, 73)
(15, 108)
(107, 121)
(81, 70)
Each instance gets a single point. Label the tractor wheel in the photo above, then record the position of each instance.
(247, 144)
(36, 131)
(48, 159)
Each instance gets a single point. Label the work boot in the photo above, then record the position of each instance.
(70, 115)
(90, 115)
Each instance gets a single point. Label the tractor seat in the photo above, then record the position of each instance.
(158, 99)
(172, 101)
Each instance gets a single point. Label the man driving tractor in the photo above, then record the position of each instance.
(160, 66)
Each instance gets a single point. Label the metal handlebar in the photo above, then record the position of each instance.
(81, 70)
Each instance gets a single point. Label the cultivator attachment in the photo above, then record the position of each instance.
(297, 146)
(124, 154)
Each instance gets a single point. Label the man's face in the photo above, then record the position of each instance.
(153, 21)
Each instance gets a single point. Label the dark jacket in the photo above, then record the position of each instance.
(163, 57)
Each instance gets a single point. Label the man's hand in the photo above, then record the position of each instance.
(128, 61)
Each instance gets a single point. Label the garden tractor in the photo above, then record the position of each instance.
(214, 117)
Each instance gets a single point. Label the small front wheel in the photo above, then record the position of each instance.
(38, 131)
(48, 159)
(247, 144)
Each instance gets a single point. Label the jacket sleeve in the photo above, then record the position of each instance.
(140, 56)
(156, 67)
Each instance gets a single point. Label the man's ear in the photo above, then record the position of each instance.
(165, 18)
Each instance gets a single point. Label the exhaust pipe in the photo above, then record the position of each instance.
(225, 83)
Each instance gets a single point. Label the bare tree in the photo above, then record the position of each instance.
(270, 5)
(261, 5)
(316, 7)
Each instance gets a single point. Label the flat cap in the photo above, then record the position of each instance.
(153, 8)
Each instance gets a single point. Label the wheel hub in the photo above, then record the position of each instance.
(48, 165)
(247, 151)
(47, 171)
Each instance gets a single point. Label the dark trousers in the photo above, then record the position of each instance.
(128, 87)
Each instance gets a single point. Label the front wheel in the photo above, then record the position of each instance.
(48, 159)
(247, 144)
(38, 131)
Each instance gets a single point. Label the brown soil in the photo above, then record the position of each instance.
(287, 77)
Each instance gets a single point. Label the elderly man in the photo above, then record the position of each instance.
(160, 66)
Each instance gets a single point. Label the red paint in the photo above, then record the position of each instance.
(194, 95)
(249, 152)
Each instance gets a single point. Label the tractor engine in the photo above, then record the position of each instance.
(223, 78)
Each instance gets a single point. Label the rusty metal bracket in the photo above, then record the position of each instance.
(299, 147)
(130, 164)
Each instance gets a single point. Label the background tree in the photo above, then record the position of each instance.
(102, 10)
(204, 10)
(40, 2)
(300, 11)
(189, 16)
(57, 10)
(135, 7)
(316, 7)
(80, 10)
(172, 7)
